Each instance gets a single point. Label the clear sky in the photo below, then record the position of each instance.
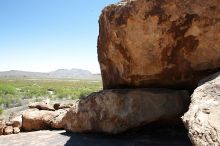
(45, 35)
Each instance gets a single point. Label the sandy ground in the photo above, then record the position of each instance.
(144, 137)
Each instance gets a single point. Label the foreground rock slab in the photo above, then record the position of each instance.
(159, 43)
(115, 111)
(203, 118)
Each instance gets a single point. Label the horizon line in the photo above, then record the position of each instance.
(48, 71)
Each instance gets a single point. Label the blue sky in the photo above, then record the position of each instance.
(45, 35)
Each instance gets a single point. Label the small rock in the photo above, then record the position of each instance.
(9, 123)
(16, 130)
(2, 126)
(41, 106)
(17, 121)
(8, 130)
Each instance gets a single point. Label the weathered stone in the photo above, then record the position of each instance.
(159, 43)
(203, 118)
(9, 123)
(8, 130)
(2, 126)
(57, 121)
(115, 111)
(34, 119)
(17, 121)
(41, 106)
(16, 130)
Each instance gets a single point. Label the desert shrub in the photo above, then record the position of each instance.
(1, 111)
(8, 95)
(14, 91)
(7, 89)
(34, 91)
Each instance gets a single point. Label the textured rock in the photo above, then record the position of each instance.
(8, 130)
(57, 121)
(202, 119)
(114, 111)
(16, 130)
(159, 43)
(9, 123)
(2, 126)
(17, 121)
(41, 106)
(34, 119)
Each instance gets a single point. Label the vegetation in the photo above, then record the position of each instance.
(14, 91)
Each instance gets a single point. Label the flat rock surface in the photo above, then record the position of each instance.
(145, 136)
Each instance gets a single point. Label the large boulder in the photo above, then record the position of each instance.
(159, 43)
(115, 111)
(203, 118)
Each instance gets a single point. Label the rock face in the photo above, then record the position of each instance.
(115, 111)
(159, 43)
(202, 119)
(34, 119)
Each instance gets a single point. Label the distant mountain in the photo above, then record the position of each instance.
(60, 73)
(70, 73)
(17, 73)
